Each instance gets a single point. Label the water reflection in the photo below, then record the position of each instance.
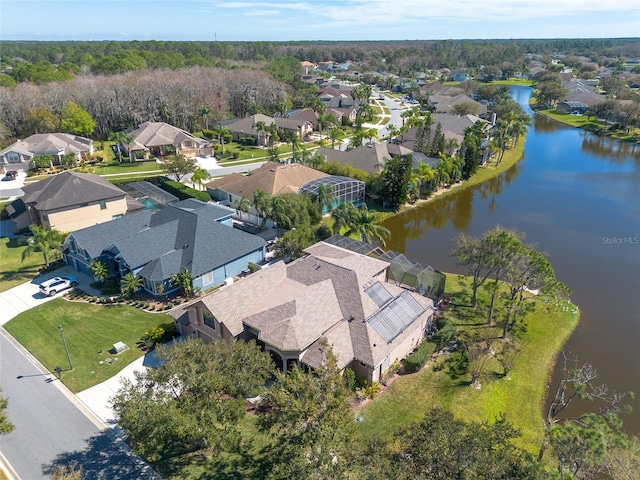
(609, 149)
(571, 191)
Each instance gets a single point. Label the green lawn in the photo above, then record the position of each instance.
(124, 168)
(90, 331)
(14, 271)
(519, 397)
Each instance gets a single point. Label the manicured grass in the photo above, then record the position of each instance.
(90, 331)
(589, 123)
(125, 167)
(513, 81)
(14, 271)
(519, 397)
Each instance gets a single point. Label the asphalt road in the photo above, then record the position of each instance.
(51, 430)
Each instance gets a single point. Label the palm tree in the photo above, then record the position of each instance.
(278, 210)
(199, 177)
(130, 284)
(242, 205)
(99, 270)
(261, 127)
(326, 196)
(326, 120)
(205, 113)
(184, 281)
(366, 228)
(343, 216)
(335, 134)
(370, 134)
(220, 132)
(394, 132)
(450, 145)
(293, 138)
(44, 241)
(121, 138)
(262, 204)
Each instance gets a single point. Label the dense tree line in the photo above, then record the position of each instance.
(119, 102)
(195, 402)
(42, 62)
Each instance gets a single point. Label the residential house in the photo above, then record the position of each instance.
(453, 127)
(246, 127)
(18, 155)
(332, 295)
(303, 115)
(336, 98)
(190, 235)
(576, 108)
(273, 178)
(156, 139)
(460, 76)
(371, 157)
(70, 201)
(446, 103)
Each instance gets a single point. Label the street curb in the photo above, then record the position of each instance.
(7, 468)
(111, 432)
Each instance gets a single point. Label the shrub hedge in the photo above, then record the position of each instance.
(416, 360)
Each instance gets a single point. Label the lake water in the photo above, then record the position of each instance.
(577, 196)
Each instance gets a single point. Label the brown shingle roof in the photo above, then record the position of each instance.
(320, 296)
(272, 177)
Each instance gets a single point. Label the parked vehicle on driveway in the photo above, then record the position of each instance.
(57, 284)
(10, 175)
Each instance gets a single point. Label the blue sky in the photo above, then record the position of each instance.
(282, 20)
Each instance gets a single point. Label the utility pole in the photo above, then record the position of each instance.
(65, 346)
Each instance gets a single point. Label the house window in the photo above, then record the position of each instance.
(188, 144)
(13, 157)
(207, 278)
(119, 215)
(209, 319)
(103, 205)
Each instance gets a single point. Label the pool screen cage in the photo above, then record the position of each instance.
(345, 189)
(424, 280)
(145, 190)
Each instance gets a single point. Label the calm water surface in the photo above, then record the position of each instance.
(577, 196)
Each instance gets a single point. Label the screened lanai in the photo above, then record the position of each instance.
(150, 195)
(345, 189)
(424, 280)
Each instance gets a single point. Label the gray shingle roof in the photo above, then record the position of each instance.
(68, 189)
(183, 235)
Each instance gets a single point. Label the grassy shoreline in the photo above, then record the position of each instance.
(520, 397)
(484, 173)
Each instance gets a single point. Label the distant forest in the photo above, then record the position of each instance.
(191, 84)
(40, 62)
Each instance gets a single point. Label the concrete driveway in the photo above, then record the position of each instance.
(26, 296)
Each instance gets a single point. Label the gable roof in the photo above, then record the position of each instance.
(186, 234)
(158, 134)
(370, 158)
(247, 125)
(69, 189)
(272, 177)
(324, 295)
(50, 143)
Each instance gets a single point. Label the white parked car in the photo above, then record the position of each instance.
(57, 284)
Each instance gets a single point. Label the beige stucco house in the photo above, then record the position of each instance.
(246, 127)
(18, 155)
(331, 294)
(156, 139)
(70, 201)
